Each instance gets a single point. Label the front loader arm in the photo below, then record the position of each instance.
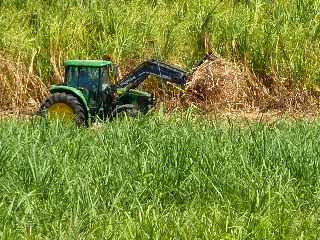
(152, 67)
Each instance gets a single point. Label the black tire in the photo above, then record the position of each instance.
(127, 110)
(79, 114)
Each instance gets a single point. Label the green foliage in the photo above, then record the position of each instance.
(157, 178)
(278, 37)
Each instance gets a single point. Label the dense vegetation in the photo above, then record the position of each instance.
(155, 178)
(274, 38)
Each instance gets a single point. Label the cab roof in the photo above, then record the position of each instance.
(87, 63)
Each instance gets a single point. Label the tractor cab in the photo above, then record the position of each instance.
(91, 77)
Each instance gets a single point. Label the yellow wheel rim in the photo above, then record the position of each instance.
(60, 111)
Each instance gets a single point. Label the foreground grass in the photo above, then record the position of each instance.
(156, 178)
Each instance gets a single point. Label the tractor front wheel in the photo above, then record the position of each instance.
(65, 107)
(128, 110)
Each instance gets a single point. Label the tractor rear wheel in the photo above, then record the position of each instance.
(65, 107)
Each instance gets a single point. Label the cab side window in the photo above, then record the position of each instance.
(72, 76)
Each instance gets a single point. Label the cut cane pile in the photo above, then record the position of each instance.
(221, 85)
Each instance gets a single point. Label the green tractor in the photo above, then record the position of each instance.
(88, 90)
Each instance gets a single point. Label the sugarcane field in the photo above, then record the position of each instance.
(159, 119)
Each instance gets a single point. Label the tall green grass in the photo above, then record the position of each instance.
(275, 38)
(155, 178)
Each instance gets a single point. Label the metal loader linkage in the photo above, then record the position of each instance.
(161, 70)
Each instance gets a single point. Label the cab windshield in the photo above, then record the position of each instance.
(83, 77)
(86, 79)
